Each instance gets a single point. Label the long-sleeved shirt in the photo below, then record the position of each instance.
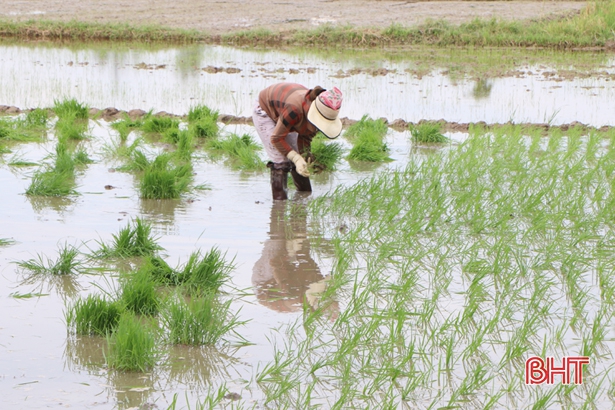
(288, 104)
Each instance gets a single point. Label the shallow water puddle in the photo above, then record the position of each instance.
(229, 80)
(43, 366)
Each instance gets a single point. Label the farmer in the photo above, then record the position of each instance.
(286, 117)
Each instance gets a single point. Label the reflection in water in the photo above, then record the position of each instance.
(130, 389)
(286, 276)
(58, 204)
(196, 367)
(85, 353)
(162, 214)
(364, 166)
(482, 89)
(67, 286)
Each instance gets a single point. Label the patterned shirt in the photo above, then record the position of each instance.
(287, 104)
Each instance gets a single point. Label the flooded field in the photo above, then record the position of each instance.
(457, 86)
(425, 287)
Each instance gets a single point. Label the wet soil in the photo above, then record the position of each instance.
(219, 17)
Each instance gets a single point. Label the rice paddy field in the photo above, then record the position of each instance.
(144, 265)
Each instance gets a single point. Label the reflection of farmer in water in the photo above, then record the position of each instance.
(287, 116)
(286, 275)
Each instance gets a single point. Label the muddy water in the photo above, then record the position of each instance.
(229, 79)
(44, 367)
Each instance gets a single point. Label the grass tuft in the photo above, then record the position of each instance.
(66, 264)
(132, 346)
(93, 315)
(241, 151)
(70, 109)
(164, 180)
(326, 154)
(427, 132)
(203, 122)
(200, 321)
(133, 240)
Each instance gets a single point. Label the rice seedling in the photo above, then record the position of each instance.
(205, 273)
(81, 157)
(6, 242)
(367, 137)
(50, 183)
(201, 321)
(136, 159)
(240, 151)
(66, 264)
(369, 147)
(94, 315)
(133, 240)
(132, 346)
(203, 122)
(455, 270)
(185, 146)
(37, 119)
(126, 125)
(20, 130)
(427, 132)
(326, 154)
(71, 127)
(366, 125)
(58, 180)
(159, 125)
(70, 109)
(138, 292)
(164, 180)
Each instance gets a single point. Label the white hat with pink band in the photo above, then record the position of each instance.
(324, 111)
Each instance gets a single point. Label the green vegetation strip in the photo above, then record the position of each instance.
(455, 270)
(592, 27)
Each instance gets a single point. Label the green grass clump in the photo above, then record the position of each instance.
(6, 242)
(205, 273)
(367, 137)
(132, 346)
(23, 129)
(326, 154)
(201, 321)
(241, 151)
(162, 179)
(37, 119)
(66, 264)
(158, 125)
(138, 292)
(366, 125)
(185, 146)
(70, 127)
(427, 132)
(202, 273)
(82, 157)
(203, 122)
(134, 240)
(70, 110)
(369, 147)
(58, 180)
(93, 315)
(125, 126)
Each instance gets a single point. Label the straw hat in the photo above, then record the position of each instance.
(323, 112)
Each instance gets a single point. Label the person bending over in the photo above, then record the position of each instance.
(287, 116)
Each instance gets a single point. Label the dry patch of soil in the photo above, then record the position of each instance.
(222, 16)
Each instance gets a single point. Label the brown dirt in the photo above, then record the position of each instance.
(224, 16)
